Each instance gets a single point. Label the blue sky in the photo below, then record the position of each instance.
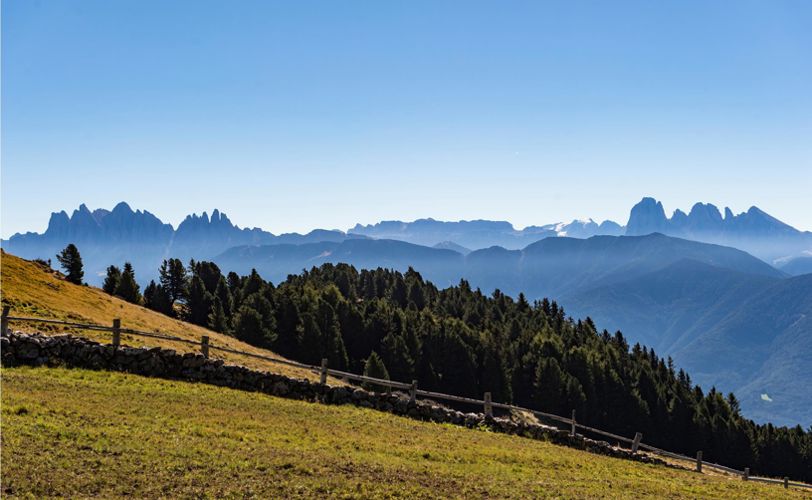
(296, 115)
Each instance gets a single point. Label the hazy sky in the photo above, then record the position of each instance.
(299, 114)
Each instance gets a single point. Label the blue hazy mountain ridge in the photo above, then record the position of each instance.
(553, 267)
(477, 234)
(450, 245)
(276, 262)
(754, 231)
(796, 266)
(122, 234)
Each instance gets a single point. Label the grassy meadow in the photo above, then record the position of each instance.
(77, 433)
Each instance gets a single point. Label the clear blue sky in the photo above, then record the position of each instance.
(296, 115)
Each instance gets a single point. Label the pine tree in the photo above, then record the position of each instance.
(111, 280)
(224, 294)
(310, 340)
(248, 327)
(71, 263)
(253, 284)
(375, 368)
(210, 274)
(331, 342)
(218, 321)
(173, 279)
(155, 298)
(127, 287)
(395, 354)
(198, 302)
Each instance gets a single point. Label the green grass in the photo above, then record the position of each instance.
(78, 433)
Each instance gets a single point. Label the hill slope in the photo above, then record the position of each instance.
(739, 332)
(35, 291)
(133, 436)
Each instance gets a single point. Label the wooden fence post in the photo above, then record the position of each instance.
(116, 333)
(488, 405)
(699, 461)
(204, 345)
(413, 391)
(323, 379)
(4, 320)
(786, 482)
(746, 475)
(572, 432)
(636, 443)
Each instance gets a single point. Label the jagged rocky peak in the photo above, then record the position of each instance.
(203, 220)
(648, 216)
(705, 217)
(58, 223)
(218, 217)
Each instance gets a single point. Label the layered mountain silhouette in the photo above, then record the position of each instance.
(731, 318)
(478, 234)
(113, 236)
(753, 231)
(738, 331)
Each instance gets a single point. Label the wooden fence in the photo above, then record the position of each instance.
(487, 404)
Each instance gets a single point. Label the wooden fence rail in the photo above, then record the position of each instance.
(486, 404)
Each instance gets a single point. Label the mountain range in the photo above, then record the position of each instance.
(112, 235)
(732, 319)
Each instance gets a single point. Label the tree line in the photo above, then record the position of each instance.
(461, 341)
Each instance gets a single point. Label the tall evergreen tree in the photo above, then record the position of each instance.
(71, 263)
(156, 298)
(249, 327)
(218, 321)
(112, 280)
(173, 279)
(128, 288)
(375, 368)
(198, 302)
(222, 292)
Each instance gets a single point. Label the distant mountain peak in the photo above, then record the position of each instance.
(647, 216)
(122, 207)
(754, 230)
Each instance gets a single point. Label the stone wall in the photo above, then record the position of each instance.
(18, 349)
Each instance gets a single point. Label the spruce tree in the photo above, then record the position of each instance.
(395, 354)
(224, 294)
(155, 298)
(218, 321)
(173, 279)
(71, 262)
(111, 280)
(198, 302)
(248, 327)
(375, 368)
(127, 287)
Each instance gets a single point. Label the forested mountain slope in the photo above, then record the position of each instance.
(740, 332)
(459, 340)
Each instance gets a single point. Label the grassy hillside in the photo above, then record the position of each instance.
(36, 291)
(142, 437)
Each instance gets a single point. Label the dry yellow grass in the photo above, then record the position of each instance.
(36, 291)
